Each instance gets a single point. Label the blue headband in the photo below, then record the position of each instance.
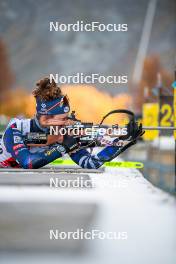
(53, 107)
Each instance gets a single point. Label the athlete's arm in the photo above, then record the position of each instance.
(14, 144)
(85, 160)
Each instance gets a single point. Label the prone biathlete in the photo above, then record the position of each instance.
(52, 108)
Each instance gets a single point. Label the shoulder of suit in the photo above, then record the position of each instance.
(22, 125)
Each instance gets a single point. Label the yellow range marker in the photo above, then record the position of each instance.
(119, 164)
(150, 119)
(175, 110)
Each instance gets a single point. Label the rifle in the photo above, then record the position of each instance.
(95, 138)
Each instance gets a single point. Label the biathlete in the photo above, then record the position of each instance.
(52, 108)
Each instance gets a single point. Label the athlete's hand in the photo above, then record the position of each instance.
(70, 143)
(51, 139)
(134, 131)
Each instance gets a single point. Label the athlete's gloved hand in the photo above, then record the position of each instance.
(134, 131)
(70, 143)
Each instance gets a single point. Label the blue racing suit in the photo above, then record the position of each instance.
(15, 153)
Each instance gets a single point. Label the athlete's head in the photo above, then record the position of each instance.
(51, 105)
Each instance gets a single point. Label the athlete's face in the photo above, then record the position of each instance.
(54, 120)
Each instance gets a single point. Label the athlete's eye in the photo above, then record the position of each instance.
(64, 118)
(49, 117)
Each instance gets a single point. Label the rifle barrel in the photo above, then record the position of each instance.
(159, 128)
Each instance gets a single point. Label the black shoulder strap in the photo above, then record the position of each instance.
(123, 111)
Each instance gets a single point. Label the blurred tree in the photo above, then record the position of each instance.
(6, 75)
(152, 67)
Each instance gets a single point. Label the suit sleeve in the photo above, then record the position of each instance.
(15, 145)
(85, 160)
